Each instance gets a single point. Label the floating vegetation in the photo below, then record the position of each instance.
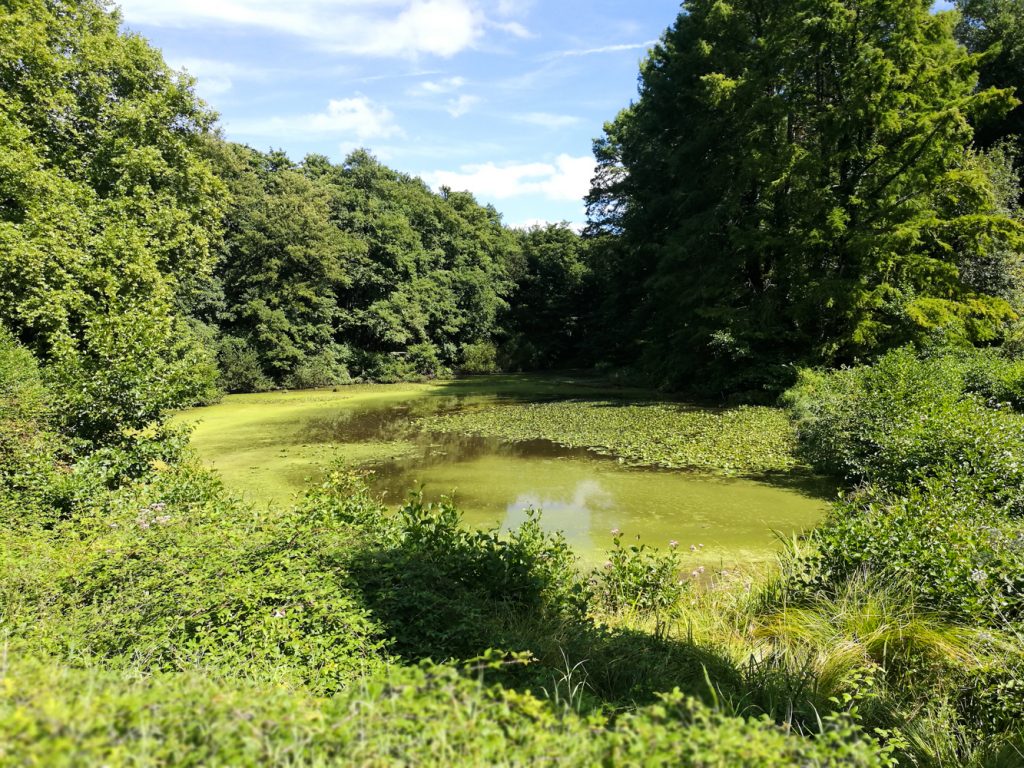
(744, 440)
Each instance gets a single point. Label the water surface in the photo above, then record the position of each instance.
(268, 447)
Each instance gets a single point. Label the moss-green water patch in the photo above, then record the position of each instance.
(270, 447)
(267, 448)
(747, 440)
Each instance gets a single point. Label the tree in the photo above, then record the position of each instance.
(547, 308)
(995, 28)
(106, 202)
(284, 266)
(795, 184)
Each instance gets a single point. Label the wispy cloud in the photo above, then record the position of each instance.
(461, 106)
(608, 49)
(435, 87)
(547, 119)
(355, 118)
(565, 179)
(215, 77)
(366, 27)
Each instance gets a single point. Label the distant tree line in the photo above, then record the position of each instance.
(148, 262)
(799, 182)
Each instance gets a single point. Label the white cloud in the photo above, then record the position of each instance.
(575, 226)
(547, 120)
(357, 117)
(610, 49)
(432, 87)
(566, 179)
(461, 106)
(513, 7)
(366, 27)
(213, 77)
(513, 28)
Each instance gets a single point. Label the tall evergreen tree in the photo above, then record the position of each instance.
(796, 184)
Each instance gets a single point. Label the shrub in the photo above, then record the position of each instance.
(443, 591)
(480, 357)
(127, 370)
(640, 580)
(954, 551)
(430, 715)
(240, 368)
(327, 369)
(908, 418)
(154, 572)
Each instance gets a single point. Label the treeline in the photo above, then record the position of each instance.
(149, 263)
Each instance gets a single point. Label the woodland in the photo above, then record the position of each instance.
(809, 223)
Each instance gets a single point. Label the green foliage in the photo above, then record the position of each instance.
(740, 440)
(479, 357)
(151, 573)
(443, 591)
(429, 715)
(548, 307)
(27, 442)
(797, 185)
(996, 29)
(908, 418)
(954, 551)
(239, 368)
(638, 579)
(943, 451)
(130, 367)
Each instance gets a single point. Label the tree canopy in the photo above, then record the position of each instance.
(797, 184)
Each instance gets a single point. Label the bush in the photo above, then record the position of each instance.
(28, 447)
(954, 551)
(130, 366)
(443, 591)
(240, 368)
(639, 580)
(908, 418)
(431, 715)
(154, 572)
(327, 369)
(480, 357)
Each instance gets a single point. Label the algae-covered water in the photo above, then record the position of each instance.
(268, 447)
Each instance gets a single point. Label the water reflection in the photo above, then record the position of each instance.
(574, 517)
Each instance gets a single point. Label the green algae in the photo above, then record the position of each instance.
(503, 445)
(746, 440)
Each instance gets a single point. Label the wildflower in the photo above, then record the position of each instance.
(279, 613)
(673, 544)
(694, 575)
(978, 576)
(607, 564)
(701, 569)
(700, 546)
(693, 548)
(616, 532)
(158, 507)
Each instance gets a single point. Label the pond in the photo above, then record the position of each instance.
(268, 447)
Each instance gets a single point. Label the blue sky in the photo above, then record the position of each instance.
(501, 97)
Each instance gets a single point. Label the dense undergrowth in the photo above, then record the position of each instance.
(148, 617)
